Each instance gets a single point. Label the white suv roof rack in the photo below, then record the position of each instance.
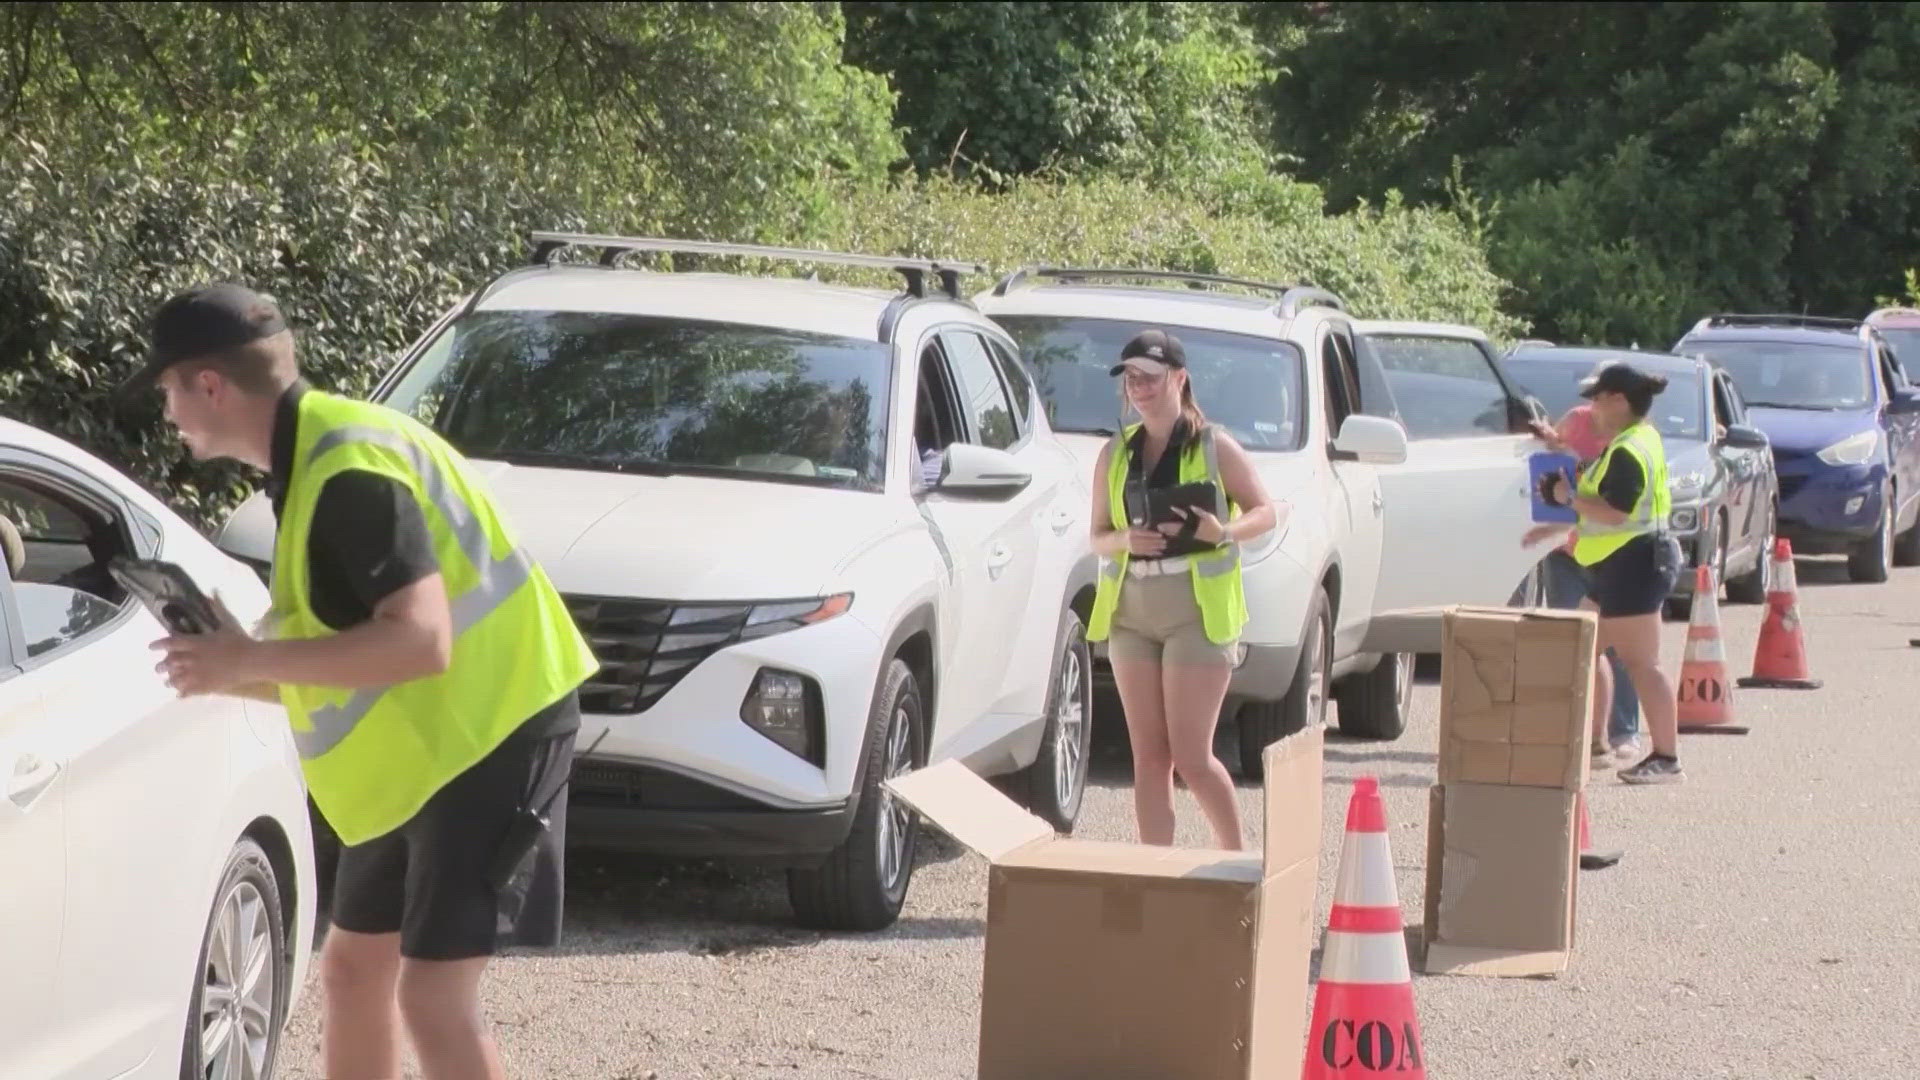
(915, 271)
(1292, 297)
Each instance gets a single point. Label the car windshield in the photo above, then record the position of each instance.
(652, 394)
(1792, 374)
(1249, 385)
(1905, 343)
(1678, 411)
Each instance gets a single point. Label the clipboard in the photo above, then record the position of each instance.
(1540, 466)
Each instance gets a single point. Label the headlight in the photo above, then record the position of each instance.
(785, 707)
(1689, 483)
(774, 618)
(1852, 450)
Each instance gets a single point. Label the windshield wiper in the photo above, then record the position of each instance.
(1085, 430)
(1800, 406)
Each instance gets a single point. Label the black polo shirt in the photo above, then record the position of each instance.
(368, 540)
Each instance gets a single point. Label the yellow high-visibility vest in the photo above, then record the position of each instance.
(1596, 541)
(1217, 587)
(373, 757)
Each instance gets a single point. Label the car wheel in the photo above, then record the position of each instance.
(240, 988)
(1054, 785)
(1906, 545)
(863, 883)
(1263, 723)
(1873, 559)
(1751, 587)
(1376, 705)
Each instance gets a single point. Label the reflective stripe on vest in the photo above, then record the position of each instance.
(499, 578)
(1596, 540)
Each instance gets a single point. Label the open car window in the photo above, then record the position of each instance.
(61, 591)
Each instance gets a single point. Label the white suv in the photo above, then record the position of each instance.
(817, 535)
(1379, 523)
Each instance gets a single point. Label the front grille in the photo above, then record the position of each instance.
(646, 647)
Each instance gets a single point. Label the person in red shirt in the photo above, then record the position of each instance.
(1566, 585)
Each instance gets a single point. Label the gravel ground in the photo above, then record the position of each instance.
(1761, 924)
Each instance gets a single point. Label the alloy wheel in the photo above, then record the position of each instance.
(237, 995)
(1069, 724)
(896, 818)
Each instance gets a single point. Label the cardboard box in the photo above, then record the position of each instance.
(1121, 961)
(1502, 866)
(1516, 693)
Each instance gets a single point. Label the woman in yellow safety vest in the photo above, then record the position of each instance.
(1169, 602)
(1622, 501)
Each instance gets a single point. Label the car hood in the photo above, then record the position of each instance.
(672, 538)
(1808, 430)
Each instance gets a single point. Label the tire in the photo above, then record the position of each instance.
(1056, 783)
(1376, 705)
(1906, 545)
(1263, 723)
(863, 883)
(1872, 560)
(239, 1000)
(1751, 587)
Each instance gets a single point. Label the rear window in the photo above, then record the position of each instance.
(1249, 385)
(651, 394)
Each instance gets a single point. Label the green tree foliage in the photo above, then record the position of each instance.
(1161, 90)
(1647, 162)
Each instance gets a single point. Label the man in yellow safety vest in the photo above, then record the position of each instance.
(429, 669)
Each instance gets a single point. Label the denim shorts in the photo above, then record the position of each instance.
(1636, 579)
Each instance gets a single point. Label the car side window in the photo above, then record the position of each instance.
(982, 393)
(1446, 386)
(1019, 385)
(1341, 394)
(61, 588)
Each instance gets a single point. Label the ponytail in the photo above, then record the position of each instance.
(1190, 409)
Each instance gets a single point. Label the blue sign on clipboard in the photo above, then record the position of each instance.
(1546, 463)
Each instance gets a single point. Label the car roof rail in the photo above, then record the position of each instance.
(1810, 322)
(914, 271)
(1292, 297)
(1083, 273)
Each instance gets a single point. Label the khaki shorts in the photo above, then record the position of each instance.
(1157, 619)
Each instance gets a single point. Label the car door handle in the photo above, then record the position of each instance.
(32, 777)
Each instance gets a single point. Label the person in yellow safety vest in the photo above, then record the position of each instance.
(1169, 601)
(429, 670)
(1623, 501)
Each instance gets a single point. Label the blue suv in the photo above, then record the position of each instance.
(1843, 420)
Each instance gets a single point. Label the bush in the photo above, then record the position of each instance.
(364, 251)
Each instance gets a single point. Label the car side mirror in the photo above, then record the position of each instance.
(1906, 400)
(981, 472)
(1745, 437)
(1372, 439)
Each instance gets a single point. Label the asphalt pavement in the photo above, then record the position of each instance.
(1762, 924)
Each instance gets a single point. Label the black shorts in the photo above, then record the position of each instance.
(428, 880)
(1636, 579)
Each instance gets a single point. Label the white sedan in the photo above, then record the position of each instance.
(157, 899)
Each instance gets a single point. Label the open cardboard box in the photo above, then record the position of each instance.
(1121, 961)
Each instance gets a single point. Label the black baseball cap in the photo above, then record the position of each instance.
(203, 321)
(1619, 377)
(1152, 351)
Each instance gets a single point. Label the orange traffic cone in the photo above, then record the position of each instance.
(1364, 1022)
(1705, 701)
(1780, 656)
(1589, 858)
